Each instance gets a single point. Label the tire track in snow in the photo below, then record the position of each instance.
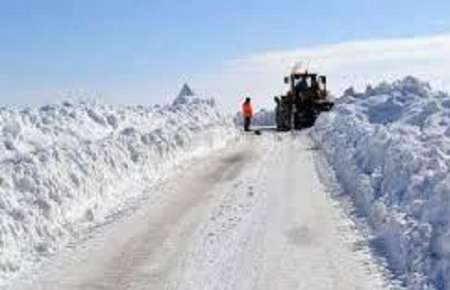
(274, 228)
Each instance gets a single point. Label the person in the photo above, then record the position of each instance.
(247, 113)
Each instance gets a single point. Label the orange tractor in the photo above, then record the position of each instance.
(306, 99)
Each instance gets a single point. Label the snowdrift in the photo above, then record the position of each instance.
(390, 149)
(65, 168)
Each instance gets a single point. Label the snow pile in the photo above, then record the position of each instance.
(390, 149)
(65, 168)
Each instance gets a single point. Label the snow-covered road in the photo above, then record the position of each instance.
(255, 216)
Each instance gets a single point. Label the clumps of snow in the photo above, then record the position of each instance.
(390, 149)
(66, 167)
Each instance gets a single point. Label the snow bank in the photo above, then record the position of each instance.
(65, 168)
(390, 148)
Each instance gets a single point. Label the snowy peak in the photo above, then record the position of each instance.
(186, 94)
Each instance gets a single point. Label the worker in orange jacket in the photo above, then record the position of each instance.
(247, 113)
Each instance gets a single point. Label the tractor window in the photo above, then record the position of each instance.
(322, 83)
(321, 86)
(301, 83)
(309, 82)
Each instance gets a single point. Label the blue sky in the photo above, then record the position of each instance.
(142, 51)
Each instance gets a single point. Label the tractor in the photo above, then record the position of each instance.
(305, 100)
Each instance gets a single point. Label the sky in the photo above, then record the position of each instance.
(143, 51)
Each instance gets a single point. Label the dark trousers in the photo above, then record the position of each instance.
(247, 121)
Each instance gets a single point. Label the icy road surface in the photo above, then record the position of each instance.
(255, 216)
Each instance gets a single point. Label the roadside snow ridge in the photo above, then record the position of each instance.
(390, 149)
(65, 168)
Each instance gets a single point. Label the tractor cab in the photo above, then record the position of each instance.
(307, 84)
(306, 99)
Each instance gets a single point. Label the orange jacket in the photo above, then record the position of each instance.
(247, 110)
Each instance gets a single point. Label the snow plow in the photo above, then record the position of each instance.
(303, 103)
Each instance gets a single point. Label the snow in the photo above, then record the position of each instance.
(390, 149)
(275, 228)
(248, 216)
(66, 167)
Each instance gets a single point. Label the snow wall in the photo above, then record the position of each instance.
(390, 149)
(65, 168)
